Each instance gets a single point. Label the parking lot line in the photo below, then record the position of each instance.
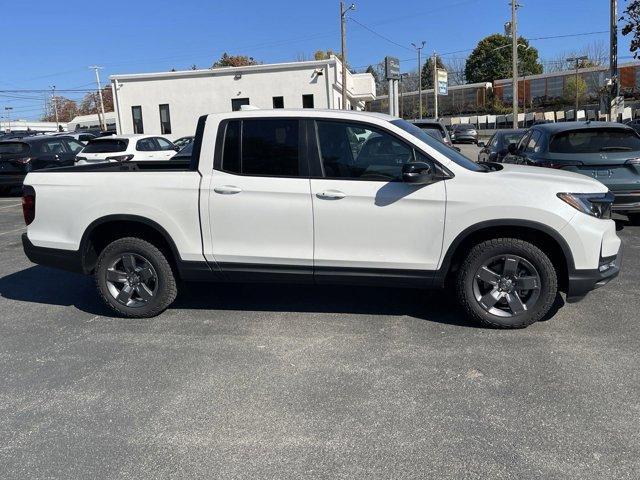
(10, 206)
(13, 231)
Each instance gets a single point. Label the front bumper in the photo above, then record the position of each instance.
(582, 282)
(626, 201)
(69, 260)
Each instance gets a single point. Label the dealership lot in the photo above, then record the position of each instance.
(291, 381)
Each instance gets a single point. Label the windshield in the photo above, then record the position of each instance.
(595, 140)
(466, 126)
(513, 137)
(106, 146)
(13, 148)
(434, 131)
(447, 151)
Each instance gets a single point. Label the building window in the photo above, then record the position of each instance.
(307, 101)
(278, 102)
(236, 103)
(165, 119)
(136, 112)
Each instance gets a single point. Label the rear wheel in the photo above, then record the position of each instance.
(507, 283)
(134, 278)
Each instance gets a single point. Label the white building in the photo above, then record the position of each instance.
(82, 122)
(170, 103)
(19, 125)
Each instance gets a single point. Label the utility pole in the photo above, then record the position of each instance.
(613, 61)
(55, 106)
(435, 85)
(343, 41)
(419, 49)
(103, 123)
(514, 60)
(577, 60)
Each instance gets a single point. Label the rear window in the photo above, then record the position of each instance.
(434, 131)
(13, 148)
(106, 146)
(594, 141)
(465, 126)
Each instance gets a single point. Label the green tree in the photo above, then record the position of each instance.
(227, 60)
(631, 17)
(570, 87)
(491, 59)
(427, 71)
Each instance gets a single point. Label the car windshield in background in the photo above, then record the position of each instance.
(437, 145)
(13, 148)
(185, 152)
(512, 137)
(435, 132)
(106, 146)
(464, 127)
(595, 141)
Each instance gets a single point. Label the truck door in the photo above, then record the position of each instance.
(260, 202)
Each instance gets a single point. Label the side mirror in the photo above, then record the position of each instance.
(481, 144)
(176, 148)
(418, 172)
(512, 148)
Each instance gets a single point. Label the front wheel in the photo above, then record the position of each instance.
(507, 283)
(134, 278)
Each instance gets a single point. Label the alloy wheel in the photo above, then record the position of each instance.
(131, 280)
(506, 285)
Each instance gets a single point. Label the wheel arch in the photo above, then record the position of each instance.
(104, 230)
(545, 237)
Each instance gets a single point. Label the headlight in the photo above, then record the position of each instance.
(594, 204)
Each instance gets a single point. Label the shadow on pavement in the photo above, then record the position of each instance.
(43, 285)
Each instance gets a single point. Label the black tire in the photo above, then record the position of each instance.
(634, 218)
(145, 258)
(523, 255)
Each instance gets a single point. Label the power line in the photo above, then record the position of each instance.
(379, 34)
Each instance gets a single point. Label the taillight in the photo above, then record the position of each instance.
(28, 204)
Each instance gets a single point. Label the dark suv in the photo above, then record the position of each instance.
(20, 156)
(608, 152)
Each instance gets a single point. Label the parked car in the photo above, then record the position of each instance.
(125, 148)
(82, 137)
(498, 145)
(183, 141)
(280, 196)
(23, 155)
(435, 129)
(608, 152)
(464, 133)
(184, 154)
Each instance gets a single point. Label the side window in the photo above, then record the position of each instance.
(494, 140)
(351, 151)
(524, 141)
(74, 146)
(52, 147)
(270, 147)
(164, 144)
(146, 145)
(533, 140)
(231, 148)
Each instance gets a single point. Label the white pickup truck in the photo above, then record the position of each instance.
(311, 196)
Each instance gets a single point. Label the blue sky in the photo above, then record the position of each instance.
(53, 43)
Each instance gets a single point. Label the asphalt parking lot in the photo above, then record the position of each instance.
(291, 381)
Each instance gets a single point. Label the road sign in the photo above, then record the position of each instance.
(443, 82)
(391, 68)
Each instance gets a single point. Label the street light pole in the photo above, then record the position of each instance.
(343, 42)
(514, 60)
(435, 85)
(55, 106)
(8, 110)
(103, 122)
(577, 60)
(419, 49)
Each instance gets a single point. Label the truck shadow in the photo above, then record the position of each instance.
(43, 285)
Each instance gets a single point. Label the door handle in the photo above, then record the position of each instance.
(227, 189)
(331, 195)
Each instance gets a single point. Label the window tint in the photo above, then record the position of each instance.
(136, 113)
(74, 146)
(165, 119)
(511, 138)
(307, 101)
(164, 144)
(493, 141)
(106, 146)
(52, 147)
(146, 145)
(434, 131)
(236, 103)
(595, 140)
(231, 148)
(270, 147)
(278, 102)
(351, 151)
(13, 148)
